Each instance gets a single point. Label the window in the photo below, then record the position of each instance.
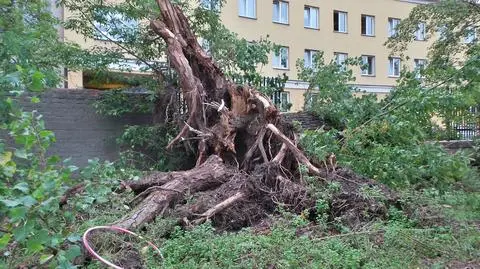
(421, 32)
(368, 25)
(247, 8)
(442, 32)
(206, 46)
(470, 35)
(281, 100)
(368, 68)
(392, 26)
(340, 21)
(280, 59)
(310, 17)
(113, 26)
(280, 12)
(340, 59)
(394, 66)
(210, 4)
(419, 66)
(308, 56)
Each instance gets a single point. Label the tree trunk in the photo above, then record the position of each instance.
(246, 165)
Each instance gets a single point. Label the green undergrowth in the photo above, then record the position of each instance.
(433, 230)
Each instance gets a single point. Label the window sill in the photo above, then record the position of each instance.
(247, 17)
(368, 75)
(113, 41)
(281, 23)
(337, 32)
(421, 40)
(311, 28)
(281, 68)
(368, 35)
(393, 76)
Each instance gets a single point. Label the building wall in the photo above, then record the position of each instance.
(298, 38)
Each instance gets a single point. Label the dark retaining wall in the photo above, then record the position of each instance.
(81, 133)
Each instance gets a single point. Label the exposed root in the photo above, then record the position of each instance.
(219, 207)
(298, 154)
(207, 176)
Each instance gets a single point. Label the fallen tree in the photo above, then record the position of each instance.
(248, 162)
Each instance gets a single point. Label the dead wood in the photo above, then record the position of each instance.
(298, 153)
(209, 175)
(79, 188)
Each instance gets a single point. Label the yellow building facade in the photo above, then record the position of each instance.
(339, 28)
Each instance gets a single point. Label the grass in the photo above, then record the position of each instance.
(399, 242)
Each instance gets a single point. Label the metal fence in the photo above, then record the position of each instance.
(464, 124)
(275, 84)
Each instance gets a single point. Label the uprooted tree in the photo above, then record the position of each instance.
(248, 162)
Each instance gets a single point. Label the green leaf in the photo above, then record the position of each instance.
(37, 81)
(74, 238)
(45, 133)
(21, 153)
(73, 252)
(35, 100)
(53, 159)
(10, 203)
(4, 240)
(28, 200)
(38, 241)
(72, 168)
(22, 186)
(21, 232)
(5, 158)
(45, 258)
(17, 213)
(34, 245)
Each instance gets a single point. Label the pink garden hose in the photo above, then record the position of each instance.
(113, 228)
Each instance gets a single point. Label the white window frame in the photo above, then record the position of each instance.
(421, 32)
(342, 20)
(277, 59)
(365, 71)
(102, 30)
(391, 66)
(283, 106)
(308, 56)
(471, 36)
(419, 67)
(247, 8)
(308, 20)
(280, 11)
(392, 26)
(369, 25)
(213, 5)
(340, 58)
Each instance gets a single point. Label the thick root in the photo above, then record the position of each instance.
(209, 175)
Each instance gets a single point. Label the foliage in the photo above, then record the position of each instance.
(330, 96)
(119, 102)
(32, 185)
(144, 147)
(384, 139)
(33, 226)
(454, 56)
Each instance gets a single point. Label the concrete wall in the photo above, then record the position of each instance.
(81, 133)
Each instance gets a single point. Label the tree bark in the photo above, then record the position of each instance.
(209, 175)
